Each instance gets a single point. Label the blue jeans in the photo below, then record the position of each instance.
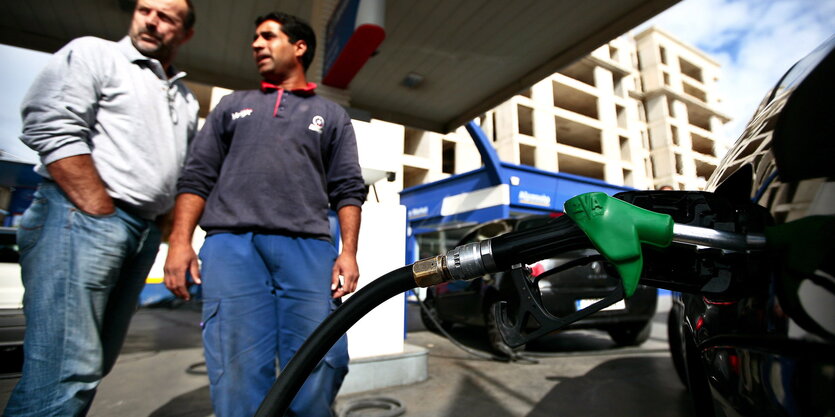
(262, 296)
(82, 276)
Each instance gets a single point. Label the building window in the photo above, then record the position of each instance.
(704, 169)
(525, 118)
(413, 176)
(675, 135)
(578, 135)
(625, 153)
(698, 118)
(702, 144)
(580, 166)
(620, 88)
(663, 52)
(448, 161)
(575, 100)
(620, 112)
(666, 78)
(671, 107)
(679, 164)
(411, 141)
(581, 70)
(691, 70)
(695, 92)
(628, 179)
(527, 155)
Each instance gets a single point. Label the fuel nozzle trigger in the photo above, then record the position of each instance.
(526, 319)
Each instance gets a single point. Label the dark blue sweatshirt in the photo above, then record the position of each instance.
(274, 161)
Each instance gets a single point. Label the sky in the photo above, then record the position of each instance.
(755, 41)
(18, 68)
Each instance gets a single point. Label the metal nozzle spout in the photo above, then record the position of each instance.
(717, 239)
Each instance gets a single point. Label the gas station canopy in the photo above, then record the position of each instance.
(460, 57)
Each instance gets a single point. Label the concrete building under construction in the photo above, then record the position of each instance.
(640, 111)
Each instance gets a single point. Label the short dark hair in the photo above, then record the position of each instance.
(296, 29)
(188, 23)
(191, 17)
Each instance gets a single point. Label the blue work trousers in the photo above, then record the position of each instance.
(263, 295)
(82, 275)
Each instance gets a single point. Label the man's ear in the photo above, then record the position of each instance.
(301, 48)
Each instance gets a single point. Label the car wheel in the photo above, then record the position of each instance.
(632, 334)
(675, 338)
(494, 336)
(428, 312)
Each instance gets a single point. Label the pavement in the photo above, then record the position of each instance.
(578, 373)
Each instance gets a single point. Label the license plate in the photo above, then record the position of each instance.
(581, 304)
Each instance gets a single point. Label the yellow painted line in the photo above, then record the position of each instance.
(150, 280)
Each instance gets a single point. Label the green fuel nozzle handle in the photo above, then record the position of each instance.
(617, 229)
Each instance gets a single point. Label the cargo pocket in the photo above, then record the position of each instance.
(337, 357)
(212, 346)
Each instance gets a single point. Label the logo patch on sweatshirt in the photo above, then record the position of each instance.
(317, 124)
(241, 114)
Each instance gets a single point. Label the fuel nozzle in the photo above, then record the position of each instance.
(617, 229)
(614, 227)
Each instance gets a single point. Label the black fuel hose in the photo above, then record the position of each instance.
(293, 376)
(528, 246)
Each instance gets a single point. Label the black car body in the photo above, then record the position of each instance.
(770, 350)
(470, 302)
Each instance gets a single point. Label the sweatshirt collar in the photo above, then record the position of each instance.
(268, 86)
(310, 88)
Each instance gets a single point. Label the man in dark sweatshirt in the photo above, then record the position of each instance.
(260, 178)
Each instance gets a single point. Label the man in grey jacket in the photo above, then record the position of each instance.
(111, 122)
